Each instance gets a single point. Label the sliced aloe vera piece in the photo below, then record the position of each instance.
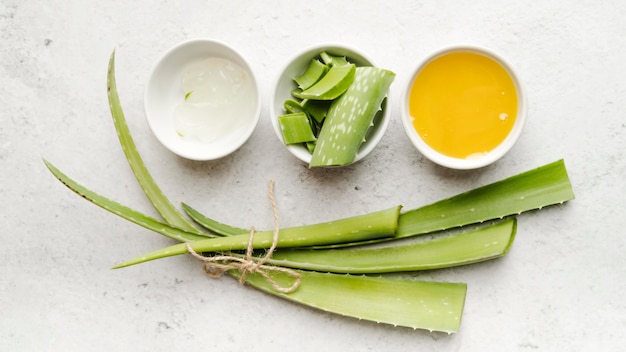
(318, 109)
(350, 116)
(292, 106)
(151, 189)
(313, 73)
(336, 81)
(333, 60)
(296, 128)
(533, 189)
(434, 306)
(374, 225)
(483, 244)
(297, 93)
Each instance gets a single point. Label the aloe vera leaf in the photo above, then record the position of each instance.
(123, 211)
(470, 247)
(373, 225)
(543, 186)
(296, 128)
(145, 180)
(216, 227)
(313, 73)
(350, 116)
(334, 83)
(534, 189)
(434, 306)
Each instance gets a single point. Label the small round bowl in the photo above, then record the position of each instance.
(473, 162)
(163, 94)
(284, 84)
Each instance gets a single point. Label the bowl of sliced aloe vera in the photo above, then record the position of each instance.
(329, 105)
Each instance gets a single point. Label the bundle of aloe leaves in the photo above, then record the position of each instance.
(342, 265)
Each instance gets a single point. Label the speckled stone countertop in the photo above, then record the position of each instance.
(559, 288)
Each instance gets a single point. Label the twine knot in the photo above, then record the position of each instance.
(217, 265)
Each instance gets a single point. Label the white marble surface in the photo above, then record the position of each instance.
(560, 288)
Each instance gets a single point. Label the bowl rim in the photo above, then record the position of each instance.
(210, 45)
(300, 151)
(493, 155)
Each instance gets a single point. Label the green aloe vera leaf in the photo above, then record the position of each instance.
(336, 81)
(313, 73)
(350, 117)
(216, 227)
(151, 189)
(373, 225)
(434, 306)
(296, 128)
(485, 243)
(123, 211)
(543, 186)
(530, 190)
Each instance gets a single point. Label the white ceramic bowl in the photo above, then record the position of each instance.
(163, 94)
(284, 85)
(470, 163)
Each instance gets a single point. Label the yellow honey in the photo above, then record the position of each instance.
(463, 104)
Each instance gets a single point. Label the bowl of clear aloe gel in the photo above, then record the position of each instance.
(202, 100)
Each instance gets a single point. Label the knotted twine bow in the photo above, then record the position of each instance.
(217, 265)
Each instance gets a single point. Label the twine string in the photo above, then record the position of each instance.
(217, 265)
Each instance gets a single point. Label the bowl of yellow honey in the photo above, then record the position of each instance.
(463, 107)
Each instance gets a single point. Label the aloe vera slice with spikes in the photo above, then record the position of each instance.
(350, 117)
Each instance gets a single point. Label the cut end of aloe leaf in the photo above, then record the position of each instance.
(296, 128)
